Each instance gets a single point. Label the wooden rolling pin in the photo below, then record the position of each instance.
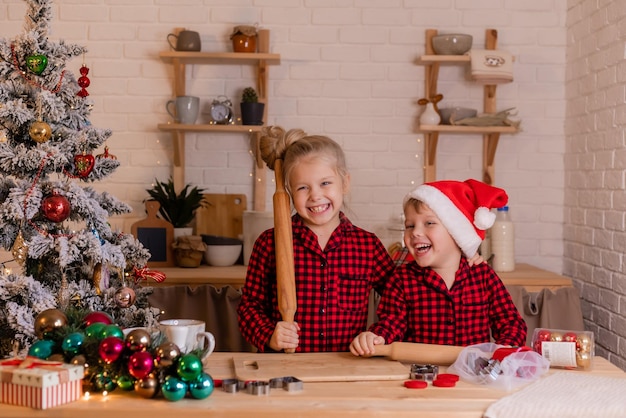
(442, 355)
(283, 241)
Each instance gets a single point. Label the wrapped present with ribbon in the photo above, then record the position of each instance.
(38, 383)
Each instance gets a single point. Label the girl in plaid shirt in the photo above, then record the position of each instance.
(439, 298)
(336, 263)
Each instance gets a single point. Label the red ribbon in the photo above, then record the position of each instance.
(145, 273)
(29, 363)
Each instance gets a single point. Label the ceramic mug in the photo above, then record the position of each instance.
(188, 335)
(186, 40)
(184, 109)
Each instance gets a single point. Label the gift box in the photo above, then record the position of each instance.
(39, 384)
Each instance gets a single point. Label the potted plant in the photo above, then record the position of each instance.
(177, 208)
(251, 109)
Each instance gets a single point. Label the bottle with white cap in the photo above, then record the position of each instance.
(503, 241)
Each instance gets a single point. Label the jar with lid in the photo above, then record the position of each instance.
(503, 241)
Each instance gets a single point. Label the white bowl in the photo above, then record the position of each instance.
(452, 44)
(222, 255)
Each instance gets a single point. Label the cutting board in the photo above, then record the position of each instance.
(317, 367)
(222, 216)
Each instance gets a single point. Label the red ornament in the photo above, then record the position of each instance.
(83, 81)
(110, 349)
(97, 316)
(106, 154)
(84, 164)
(56, 207)
(140, 364)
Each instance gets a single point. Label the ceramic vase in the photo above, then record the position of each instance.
(430, 116)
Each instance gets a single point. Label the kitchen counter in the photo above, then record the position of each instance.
(532, 278)
(317, 399)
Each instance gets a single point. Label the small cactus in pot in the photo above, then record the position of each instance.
(251, 109)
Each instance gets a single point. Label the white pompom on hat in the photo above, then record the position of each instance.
(463, 207)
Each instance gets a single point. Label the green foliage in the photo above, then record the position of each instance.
(249, 95)
(178, 209)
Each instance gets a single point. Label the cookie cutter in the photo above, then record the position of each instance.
(233, 385)
(487, 370)
(258, 387)
(288, 383)
(425, 372)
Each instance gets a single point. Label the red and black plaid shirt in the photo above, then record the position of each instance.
(418, 307)
(332, 286)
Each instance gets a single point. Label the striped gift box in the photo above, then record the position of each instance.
(39, 384)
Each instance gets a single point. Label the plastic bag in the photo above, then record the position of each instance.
(475, 364)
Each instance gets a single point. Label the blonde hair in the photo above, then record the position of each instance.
(293, 145)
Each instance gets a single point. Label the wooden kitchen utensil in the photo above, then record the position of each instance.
(443, 355)
(283, 241)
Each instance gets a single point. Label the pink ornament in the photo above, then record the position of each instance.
(140, 364)
(110, 349)
(97, 316)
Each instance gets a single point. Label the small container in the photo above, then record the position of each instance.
(503, 242)
(565, 348)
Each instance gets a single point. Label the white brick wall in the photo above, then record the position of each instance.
(595, 167)
(347, 71)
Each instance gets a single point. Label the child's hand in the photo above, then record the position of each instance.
(285, 336)
(475, 260)
(363, 344)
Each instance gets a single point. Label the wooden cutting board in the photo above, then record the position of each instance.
(222, 216)
(317, 367)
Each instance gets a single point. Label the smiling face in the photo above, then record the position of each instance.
(317, 192)
(428, 241)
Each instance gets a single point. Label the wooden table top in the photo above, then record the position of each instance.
(321, 399)
(533, 278)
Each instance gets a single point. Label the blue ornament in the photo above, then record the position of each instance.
(72, 343)
(174, 389)
(41, 349)
(202, 387)
(189, 367)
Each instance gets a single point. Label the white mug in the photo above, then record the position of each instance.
(188, 335)
(184, 109)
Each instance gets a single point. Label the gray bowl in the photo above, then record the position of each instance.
(456, 113)
(452, 44)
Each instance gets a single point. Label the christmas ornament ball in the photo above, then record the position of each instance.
(189, 367)
(202, 387)
(40, 131)
(55, 207)
(125, 297)
(57, 357)
(166, 355)
(174, 389)
(72, 343)
(147, 387)
(140, 364)
(125, 382)
(110, 349)
(138, 340)
(41, 349)
(97, 316)
(95, 330)
(112, 330)
(48, 321)
(104, 382)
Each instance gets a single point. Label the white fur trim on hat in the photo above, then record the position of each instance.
(457, 224)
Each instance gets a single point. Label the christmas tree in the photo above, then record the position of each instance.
(51, 221)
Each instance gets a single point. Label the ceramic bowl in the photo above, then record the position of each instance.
(456, 113)
(452, 44)
(221, 251)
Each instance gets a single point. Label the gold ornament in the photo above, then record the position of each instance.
(40, 131)
(19, 249)
(97, 278)
(48, 321)
(138, 340)
(124, 297)
(166, 355)
(147, 387)
(556, 337)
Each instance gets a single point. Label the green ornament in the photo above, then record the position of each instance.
(72, 343)
(202, 387)
(174, 389)
(41, 349)
(37, 63)
(189, 367)
(112, 331)
(95, 330)
(125, 382)
(104, 382)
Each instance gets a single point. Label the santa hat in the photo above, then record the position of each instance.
(463, 207)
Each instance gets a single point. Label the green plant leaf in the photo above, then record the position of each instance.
(177, 208)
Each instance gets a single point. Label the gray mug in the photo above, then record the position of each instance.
(184, 109)
(186, 40)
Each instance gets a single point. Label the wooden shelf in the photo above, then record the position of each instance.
(260, 60)
(491, 134)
